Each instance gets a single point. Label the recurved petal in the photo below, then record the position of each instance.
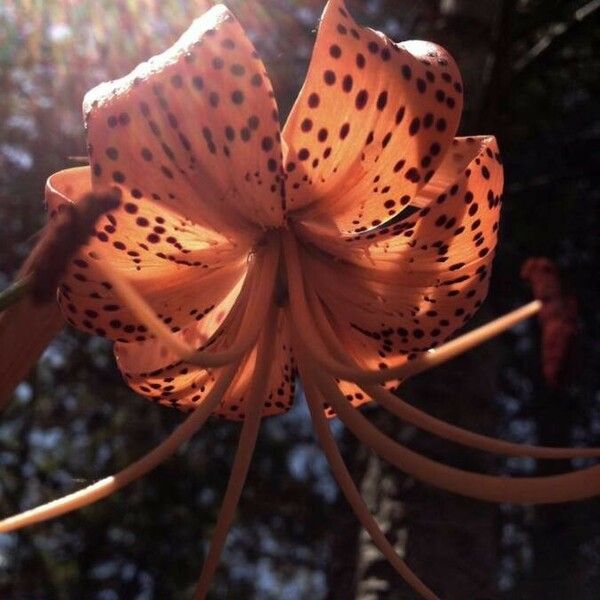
(458, 218)
(370, 126)
(151, 371)
(407, 287)
(195, 128)
(365, 352)
(183, 269)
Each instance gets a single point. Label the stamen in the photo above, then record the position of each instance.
(243, 456)
(259, 285)
(426, 422)
(300, 315)
(460, 345)
(578, 485)
(109, 485)
(445, 430)
(344, 479)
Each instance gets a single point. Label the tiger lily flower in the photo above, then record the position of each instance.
(345, 248)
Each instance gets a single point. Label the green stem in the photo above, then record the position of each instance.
(15, 292)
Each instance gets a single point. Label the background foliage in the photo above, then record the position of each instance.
(531, 69)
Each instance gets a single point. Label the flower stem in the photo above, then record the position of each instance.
(15, 292)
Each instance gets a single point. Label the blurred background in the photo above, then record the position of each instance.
(531, 71)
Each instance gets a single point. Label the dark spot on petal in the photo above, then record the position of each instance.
(361, 99)
(382, 100)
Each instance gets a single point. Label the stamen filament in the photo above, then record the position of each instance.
(260, 283)
(243, 456)
(109, 485)
(578, 485)
(426, 422)
(447, 431)
(353, 496)
(468, 341)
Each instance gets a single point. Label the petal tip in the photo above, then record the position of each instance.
(208, 22)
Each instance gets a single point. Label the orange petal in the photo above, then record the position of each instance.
(183, 269)
(281, 378)
(344, 344)
(154, 372)
(196, 126)
(370, 126)
(161, 234)
(184, 385)
(414, 283)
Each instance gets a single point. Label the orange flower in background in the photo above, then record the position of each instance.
(342, 249)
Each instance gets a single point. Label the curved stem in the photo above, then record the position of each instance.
(259, 289)
(109, 485)
(241, 463)
(426, 422)
(344, 479)
(578, 485)
(15, 292)
(432, 358)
